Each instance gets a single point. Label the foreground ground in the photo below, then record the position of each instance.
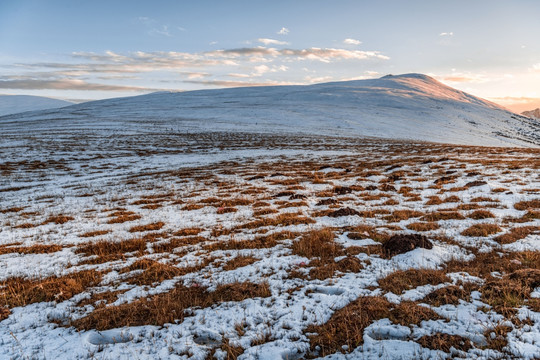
(221, 246)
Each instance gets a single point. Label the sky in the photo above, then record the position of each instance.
(85, 50)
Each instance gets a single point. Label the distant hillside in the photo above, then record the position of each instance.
(532, 113)
(409, 106)
(13, 104)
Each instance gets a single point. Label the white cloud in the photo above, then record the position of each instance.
(536, 67)
(446, 34)
(350, 41)
(272, 42)
(283, 31)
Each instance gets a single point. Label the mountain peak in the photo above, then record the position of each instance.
(410, 76)
(532, 113)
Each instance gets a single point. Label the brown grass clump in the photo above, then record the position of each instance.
(445, 342)
(317, 243)
(423, 226)
(497, 337)
(410, 313)
(34, 249)
(4, 313)
(188, 232)
(442, 215)
(481, 230)
(95, 233)
(25, 226)
(239, 261)
(346, 326)
(109, 250)
(153, 271)
(527, 205)
(399, 215)
(264, 211)
(516, 234)
(511, 291)
(168, 307)
(18, 291)
(58, 219)
(122, 216)
(402, 280)
(447, 295)
(260, 242)
(285, 219)
(481, 214)
(325, 269)
(148, 227)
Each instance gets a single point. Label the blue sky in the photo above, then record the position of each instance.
(98, 49)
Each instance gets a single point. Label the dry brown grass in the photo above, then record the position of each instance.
(285, 219)
(25, 226)
(18, 291)
(496, 337)
(33, 249)
(58, 219)
(148, 227)
(347, 325)
(423, 226)
(527, 205)
(481, 230)
(239, 261)
(442, 215)
(402, 280)
(399, 215)
(317, 243)
(95, 233)
(122, 216)
(445, 342)
(168, 307)
(447, 295)
(481, 214)
(517, 233)
(110, 251)
(260, 242)
(188, 232)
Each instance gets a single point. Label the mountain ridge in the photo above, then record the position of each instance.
(13, 104)
(409, 106)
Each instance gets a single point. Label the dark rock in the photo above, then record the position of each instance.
(328, 201)
(402, 243)
(343, 212)
(475, 183)
(342, 190)
(297, 197)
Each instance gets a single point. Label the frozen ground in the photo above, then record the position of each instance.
(176, 245)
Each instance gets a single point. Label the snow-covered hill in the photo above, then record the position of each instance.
(12, 104)
(532, 113)
(410, 106)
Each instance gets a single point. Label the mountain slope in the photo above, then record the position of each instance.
(532, 113)
(410, 106)
(12, 104)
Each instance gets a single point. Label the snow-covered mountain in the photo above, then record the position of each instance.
(12, 104)
(532, 113)
(410, 106)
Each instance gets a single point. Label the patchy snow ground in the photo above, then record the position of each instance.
(212, 197)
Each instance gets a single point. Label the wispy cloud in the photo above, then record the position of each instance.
(350, 41)
(447, 33)
(272, 42)
(123, 71)
(283, 31)
(66, 84)
(536, 68)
